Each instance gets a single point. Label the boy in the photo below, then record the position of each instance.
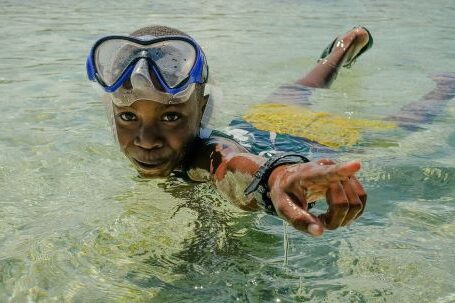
(155, 81)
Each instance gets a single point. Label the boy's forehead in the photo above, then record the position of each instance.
(122, 98)
(152, 105)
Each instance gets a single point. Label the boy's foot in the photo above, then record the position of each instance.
(429, 106)
(342, 51)
(445, 83)
(346, 49)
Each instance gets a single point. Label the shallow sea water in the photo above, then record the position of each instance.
(77, 225)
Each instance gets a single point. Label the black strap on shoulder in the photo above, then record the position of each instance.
(218, 133)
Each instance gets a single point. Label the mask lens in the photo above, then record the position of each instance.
(112, 57)
(174, 59)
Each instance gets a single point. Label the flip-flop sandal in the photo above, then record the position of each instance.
(329, 48)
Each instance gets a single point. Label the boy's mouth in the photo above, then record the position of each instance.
(149, 164)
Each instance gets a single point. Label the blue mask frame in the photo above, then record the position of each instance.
(198, 73)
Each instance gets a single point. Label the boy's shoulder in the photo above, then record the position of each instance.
(209, 150)
(212, 140)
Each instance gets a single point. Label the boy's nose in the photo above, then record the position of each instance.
(149, 138)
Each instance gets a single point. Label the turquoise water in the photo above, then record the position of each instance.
(76, 225)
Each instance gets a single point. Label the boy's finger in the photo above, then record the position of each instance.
(325, 161)
(355, 205)
(334, 173)
(345, 169)
(358, 188)
(338, 206)
(296, 215)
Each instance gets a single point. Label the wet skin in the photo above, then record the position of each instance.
(155, 136)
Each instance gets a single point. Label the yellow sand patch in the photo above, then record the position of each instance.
(328, 129)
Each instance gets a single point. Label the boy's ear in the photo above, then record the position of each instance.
(205, 100)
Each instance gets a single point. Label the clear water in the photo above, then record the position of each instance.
(76, 225)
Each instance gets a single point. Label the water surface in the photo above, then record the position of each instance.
(77, 225)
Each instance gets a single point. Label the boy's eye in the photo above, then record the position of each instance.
(171, 117)
(128, 116)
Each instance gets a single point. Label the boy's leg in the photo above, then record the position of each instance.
(429, 106)
(341, 53)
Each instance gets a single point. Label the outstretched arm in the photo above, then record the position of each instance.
(292, 187)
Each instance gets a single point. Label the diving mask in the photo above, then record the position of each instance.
(164, 69)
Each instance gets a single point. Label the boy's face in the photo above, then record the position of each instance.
(155, 136)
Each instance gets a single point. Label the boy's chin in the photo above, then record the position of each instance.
(156, 170)
(155, 173)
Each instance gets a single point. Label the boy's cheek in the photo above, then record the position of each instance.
(123, 138)
(180, 143)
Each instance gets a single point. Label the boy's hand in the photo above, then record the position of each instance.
(292, 187)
